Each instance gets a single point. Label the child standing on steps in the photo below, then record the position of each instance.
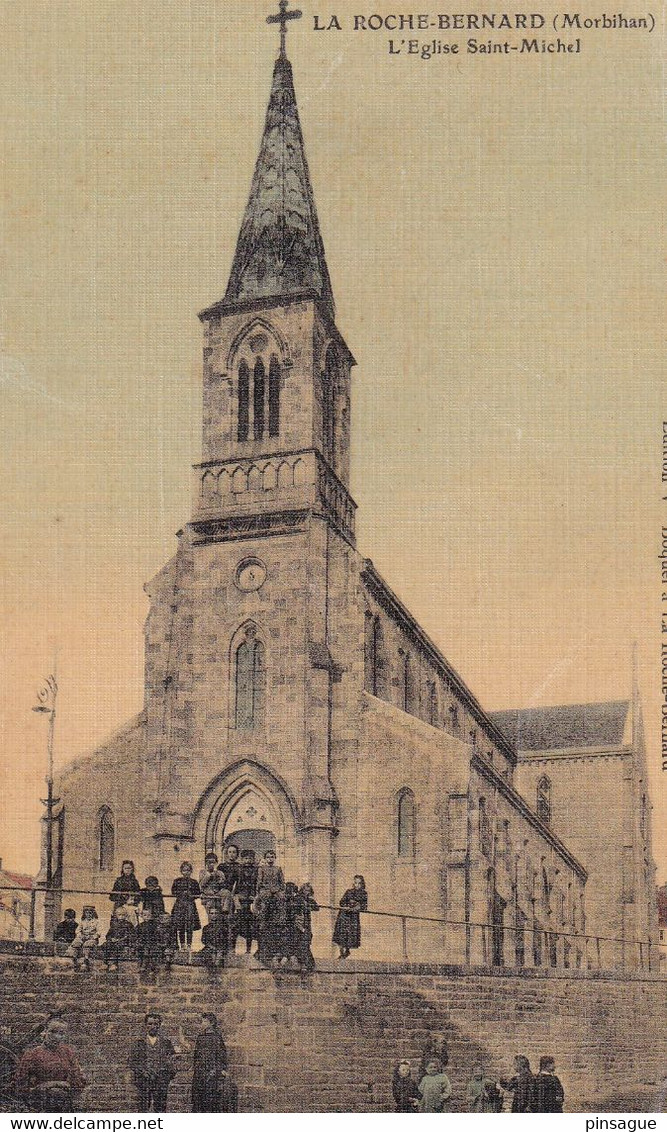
(151, 897)
(215, 938)
(211, 883)
(120, 941)
(124, 885)
(482, 1092)
(86, 939)
(184, 916)
(404, 1088)
(267, 906)
(435, 1088)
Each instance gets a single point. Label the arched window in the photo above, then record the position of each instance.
(433, 703)
(485, 834)
(106, 839)
(250, 682)
(407, 682)
(406, 823)
(274, 398)
(244, 401)
(375, 658)
(258, 399)
(544, 799)
(546, 888)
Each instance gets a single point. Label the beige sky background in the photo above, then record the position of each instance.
(492, 228)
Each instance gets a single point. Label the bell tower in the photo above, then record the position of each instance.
(276, 423)
(242, 645)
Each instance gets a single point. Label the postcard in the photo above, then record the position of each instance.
(334, 724)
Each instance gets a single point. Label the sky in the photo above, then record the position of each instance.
(493, 232)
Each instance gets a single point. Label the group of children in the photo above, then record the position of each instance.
(522, 1092)
(240, 898)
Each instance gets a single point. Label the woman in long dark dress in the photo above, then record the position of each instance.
(125, 885)
(347, 932)
(184, 916)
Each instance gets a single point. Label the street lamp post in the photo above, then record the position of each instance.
(46, 705)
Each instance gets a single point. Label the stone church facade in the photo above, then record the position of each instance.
(292, 701)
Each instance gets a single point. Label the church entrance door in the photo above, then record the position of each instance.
(259, 840)
(252, 822)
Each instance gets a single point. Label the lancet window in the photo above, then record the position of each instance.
(406, 824)
(485, 831)
(250, 682)
(259, 379)
(106, 839)
(544, 799)
(407, 688)
(375, 658)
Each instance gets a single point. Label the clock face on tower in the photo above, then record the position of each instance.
(250, 574)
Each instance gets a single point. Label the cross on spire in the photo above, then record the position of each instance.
(281, 18)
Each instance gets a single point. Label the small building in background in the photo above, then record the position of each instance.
(15, 899)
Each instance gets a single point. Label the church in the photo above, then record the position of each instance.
(293, 702)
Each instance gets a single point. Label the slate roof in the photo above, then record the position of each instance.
(279, 252)
(570, 725)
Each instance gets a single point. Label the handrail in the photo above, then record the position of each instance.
(541, 929)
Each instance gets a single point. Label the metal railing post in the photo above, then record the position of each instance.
(31, 929)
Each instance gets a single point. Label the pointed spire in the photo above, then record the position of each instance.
(279, 252)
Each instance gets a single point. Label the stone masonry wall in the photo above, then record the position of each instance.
(328, 1042)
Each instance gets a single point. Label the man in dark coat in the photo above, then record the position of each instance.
(209, 1066)
(548, 1093)
(152, 1064)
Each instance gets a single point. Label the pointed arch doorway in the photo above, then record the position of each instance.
(251, 822)
(249, 807)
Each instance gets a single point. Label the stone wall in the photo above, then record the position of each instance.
(328, 1042)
